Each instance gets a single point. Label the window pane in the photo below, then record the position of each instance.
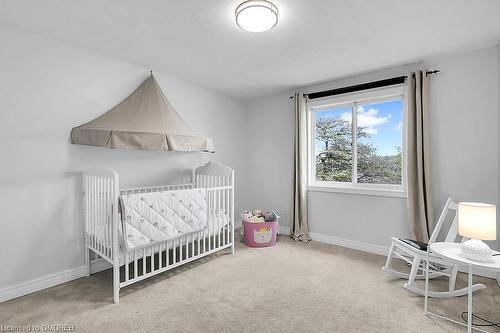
(379, 142)
(333, 146)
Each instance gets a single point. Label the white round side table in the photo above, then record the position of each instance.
(452, 252)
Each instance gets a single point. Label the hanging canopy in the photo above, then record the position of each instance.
(144, 120)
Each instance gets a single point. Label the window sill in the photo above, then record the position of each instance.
(360, 191)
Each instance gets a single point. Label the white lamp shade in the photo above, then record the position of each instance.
(477, 220)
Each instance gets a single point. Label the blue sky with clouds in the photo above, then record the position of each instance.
(382, 121)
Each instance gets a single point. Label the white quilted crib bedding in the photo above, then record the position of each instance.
(149, 218)
(155, 217)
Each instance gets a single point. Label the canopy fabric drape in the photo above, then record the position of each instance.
(420, 211)
(300, 229)
(144, 120)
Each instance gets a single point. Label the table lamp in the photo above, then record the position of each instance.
(477, 221)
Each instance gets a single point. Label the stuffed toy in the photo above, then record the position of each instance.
(271, 217)
(258, 213)
(256, 219)
(246, 215)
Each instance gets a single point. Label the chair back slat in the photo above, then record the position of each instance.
(449, 207)
(453, 232)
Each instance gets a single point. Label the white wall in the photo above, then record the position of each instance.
(270, 155)
(464, 107)
(46, 88)
(464, 127)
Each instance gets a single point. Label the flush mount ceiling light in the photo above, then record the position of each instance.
(256, 15)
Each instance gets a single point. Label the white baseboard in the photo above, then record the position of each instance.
(351, 244)
(52, 280)
(356, 245)
(238, 224)
(375, 249)
(284, 231)
(99, 265)
(41, 283)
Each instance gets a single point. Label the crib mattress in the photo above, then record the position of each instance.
(149, 218)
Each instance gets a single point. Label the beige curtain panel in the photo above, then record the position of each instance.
(300, 229)
(144, 120)
(421, 216)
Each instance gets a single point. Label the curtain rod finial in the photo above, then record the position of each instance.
(435, 71)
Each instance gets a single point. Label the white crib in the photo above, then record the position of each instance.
(103, 225)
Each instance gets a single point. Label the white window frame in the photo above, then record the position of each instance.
(352, 99)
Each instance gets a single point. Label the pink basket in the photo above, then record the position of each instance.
(260, 234)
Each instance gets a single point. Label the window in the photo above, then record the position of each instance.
(357, 141)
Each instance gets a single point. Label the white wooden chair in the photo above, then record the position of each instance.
(414, 253)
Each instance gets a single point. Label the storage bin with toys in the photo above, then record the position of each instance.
(260, 229)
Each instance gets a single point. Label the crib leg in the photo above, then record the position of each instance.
(87, 261)
(116, 284)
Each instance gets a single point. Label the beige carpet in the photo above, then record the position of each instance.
(287, 288)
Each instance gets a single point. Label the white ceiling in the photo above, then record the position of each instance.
(314, 41)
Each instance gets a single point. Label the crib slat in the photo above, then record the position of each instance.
(102, 226)
(189, 245)
(108, 212)
(223, 210)
(210, 219)
(192, 245)
(167, 254)
(87, 208)
(109, 227)
(101, 214)
(179, 247)
(110, 217)
(216, 222)
(143, 260)
(98, 212)
(160, 256)
(219, 210)
(186, 247)
(198, 240)
(91, 209)
(152, 262)
(93, 202)
(106, 216)
(174, 259)
(126, 266)
(227, 211)
(110, 221)
(214, 218)
(94, 210)
(205, 236)
(135, 264)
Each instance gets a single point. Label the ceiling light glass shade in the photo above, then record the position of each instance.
(256, 15)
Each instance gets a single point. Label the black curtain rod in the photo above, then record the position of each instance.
(363, 86)
(358, 87)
